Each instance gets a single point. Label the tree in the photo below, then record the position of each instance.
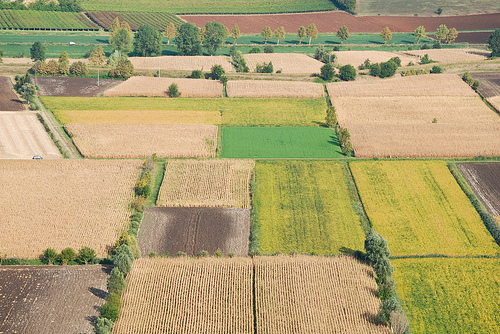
(235, 33)
(49, 256)
(331, 117)
(280, 34)
(203, 32)
(147, 41)
(347, 73)
(52, 67)
(78, 68)
(114, 27)
(375, 247)
(239, 62)
(343, 34)
(419, 33)
(383, 268)
(116, 282)
(216, 72)
(111, 309)
(103, 326)
(441, 32)
(97, 57)
(188, 40)
(375, 70)
(121, 40)
(28, 91)
(301, 33)
(85, 255)
(170, 32)
(173, 90)
(267, 33)
(131, 242)
(494, 43)
(67, 254)
(64, 63)
(387, 307)
(122, 262)
(125, 249)
(388, 69)
(215, 36)
(38, 51)
(124, 69)
(386, 34)
(327, 72)
(311, 32)
(387, 288)
(125, 25)
(451, 36)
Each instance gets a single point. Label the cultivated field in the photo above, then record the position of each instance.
(449, 295)
(303, 294)
(210, 183)
(356, 58)
(490, 83)
(8, 99)
(286, 62)
(180, 63)
(261, 88)
(306, 207)
(22, 136)
(206, 295)
(41, 299)
(435, 217)
(192, 230)
(484, 179)
(43, 204)
(452, 55)
(279, 142)
(142, 140)
(33, 19)
(495, 102)
(151, 86)
(68, 86)
(135, 19)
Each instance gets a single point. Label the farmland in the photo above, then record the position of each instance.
(180, 63)
(452, 55)
(186, 295)
(306, 207)
(41, 299)
(449, 295)
(141, 140)
(356, 58)
(495, 102)
(286, 62)
(289, 89)
(8, 99)
(217, 183)
(434, 218)
(279, 142)
(192, 230)
(484, 179)
(135, 19)
(30, 19)
(66, 216)
(67, 86)
(490, 83)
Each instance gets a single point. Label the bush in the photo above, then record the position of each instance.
(399, 322)
(116, 282)
(265, 68)
(125, 249)
(386, 308)
(388, 69)
(327, 72)
(78, 68)
(103, 326)
(476, 84)
(383, 268)
(375, 247)
(268, 49)
(366, 65)
(255, 49)
(85, 255)
(216, 72)
(387, 289)
(218, 253)
(136, 217)
(52, 67)
(203, 253)
(347, 149)
(173, 91)
(331, 117)
(197, 74)
(375, 69)
(111, 309)
(142, 187)
(425, 59)
(425, 47)
(130, 241)
(133, 228)
(67, 254)
(49, 256)
(436, 69)
(468, 78)
(396, 60)
(138, 204)
(239, 62)
(122, 262)
(436, 45)
(124, 69)
(347, 73)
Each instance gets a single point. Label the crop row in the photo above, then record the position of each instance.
(30, 19)
(135, 19)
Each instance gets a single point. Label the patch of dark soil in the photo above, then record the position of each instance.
(484, 179)
(490, 83)
(8, 99)
(73, 87)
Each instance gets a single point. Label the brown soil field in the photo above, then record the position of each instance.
(8, 99)
(475, 37)
(51, 299)
(264, 88)
(356, 58)
(64, 203)
(286, 62)
(151, 86)
(330, 22)
(451, 55)
(490, 83)
(495, 102)
(22, 136)
(313, 294)
(142, 140)
(191, 230)
(181, 63)
(183, 295)
(68, 86)
(484, 179)
(208, 183)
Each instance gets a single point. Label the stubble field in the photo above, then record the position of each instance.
(452, 55)
(286, 62)
(8, 99)
(180, 63)
(356, 58)
(273, 89)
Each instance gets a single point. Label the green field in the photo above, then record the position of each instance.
(442, 295)
(420, 209)
(279, 142)
(135, 19)
(31, 19)
(235, 111)
(426, 7)
(305, 206)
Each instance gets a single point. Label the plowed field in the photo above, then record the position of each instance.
(42, 299)
(490, 83)
(67, 86)
(8, 100)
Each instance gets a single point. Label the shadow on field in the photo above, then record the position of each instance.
(334, 141)
(98, 292)
(372, 318)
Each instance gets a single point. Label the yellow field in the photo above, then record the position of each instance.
(181, 63)
(286, 62)
(211, 183)
(262, 88)
(64, 203)
(356, 58)
(420, 209)
(452, 55)
(184, 295)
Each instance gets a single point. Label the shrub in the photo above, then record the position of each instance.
(387, 289)
(216, 72)
(331, 117)
(122, 262)
(142, 188)
(366, 65)
(425, 47)
(387, 307)
(116, 282)
(399, 322)
(103, 326)
(52, 67)
(327, 72)
(425, 59)
(40, 67)
(388, 69)
(49, 256)
(173, 91)
(476, 84)
(153, 254)
(197, 74)
(78, 68)
(203, 253)
(218, 253)
(436, 45)
(67, 254)
(125, 249)
(181, 254)
(375, 247)
(138, 204)
(85, 255)
(239, 62)
(264, 68)
(468, 78)
(268, 49)
(133, 228)
(347, 73)
(396, 60)
(255, 49)
(136, 217)
(375, 69)
(124, 69)
(383, 268)
(130, 241)
(347, 149)
(111, 309)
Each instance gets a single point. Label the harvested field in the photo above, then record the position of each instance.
(451, 55)
(41, 299)
(484, 179)
(150, 86)
(286, 62)
(183, 295)
(495, 102)
(22, 136)
(8, 99)
(356, 58)
(142, 140)
(192, 230)
(68, 86)
(180, 63)
(435, 217)
(261, 88)
(209, 183)
(314, 294)
(43, 204)
(490, 83)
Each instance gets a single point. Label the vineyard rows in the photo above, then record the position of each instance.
(30, 19)
(135, 19)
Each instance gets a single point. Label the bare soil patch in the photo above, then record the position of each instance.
(8, 99)
(484, 179)
(286, 62)
(151, 86)
(490, 83)
(69, 86)
(474, 37)
(262, 88)
(191, 230)
(180, 63)
(42, 299)
(452, 55)
(356, 58)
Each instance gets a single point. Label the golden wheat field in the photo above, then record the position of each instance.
(211, 183)
(151, 86)
(314, 294)
(181, 63)
(356, 58)
(141, 140)
(495, 102)
(415, 85)
(183, 295)
(451, 55)
(64, 203)
(262, 88)
(286, 62)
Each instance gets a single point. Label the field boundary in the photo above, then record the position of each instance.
(359, 208)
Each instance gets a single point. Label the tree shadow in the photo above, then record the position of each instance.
(98, 292)
(321, 124)
(334, 140)
(92, 319)
(105, 41)
(371, 318)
